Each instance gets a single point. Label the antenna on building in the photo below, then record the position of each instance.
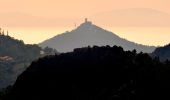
(75, 25)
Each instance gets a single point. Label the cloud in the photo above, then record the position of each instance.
(26, 20)
(135, 17)
(139, 17)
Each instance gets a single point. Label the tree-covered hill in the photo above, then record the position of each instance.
(17, 49)
(98, 73)
(15, 57)
(162, 52)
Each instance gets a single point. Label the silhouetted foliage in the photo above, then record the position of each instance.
(4, 92)
(50, 51)
(98, 73)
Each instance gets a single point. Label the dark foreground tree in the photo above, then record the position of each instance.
(98, 73)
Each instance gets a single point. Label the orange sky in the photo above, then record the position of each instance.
(77, 8)
(23, 16)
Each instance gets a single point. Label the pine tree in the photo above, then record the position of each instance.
(3, 32)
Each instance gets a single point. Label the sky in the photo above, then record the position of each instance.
(142, 21)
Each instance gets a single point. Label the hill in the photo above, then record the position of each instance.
(98, 73)
(88, 34)
(162, 52)
(15, 57)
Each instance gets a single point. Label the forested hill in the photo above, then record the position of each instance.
(98, 73)
(17, 50)
(162, 52)
(15, 57)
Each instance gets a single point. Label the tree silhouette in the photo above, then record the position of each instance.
(97, 73)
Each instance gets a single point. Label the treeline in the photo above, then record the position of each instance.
(97, 73)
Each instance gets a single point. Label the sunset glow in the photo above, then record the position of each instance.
(34, 21)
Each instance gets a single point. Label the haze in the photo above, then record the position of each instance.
(142, 21)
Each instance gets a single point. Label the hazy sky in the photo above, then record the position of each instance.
(77, 8)
(42, 19)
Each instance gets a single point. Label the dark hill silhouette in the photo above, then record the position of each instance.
(15, 57)
(98, 73)
(162, 52)
(88, 34)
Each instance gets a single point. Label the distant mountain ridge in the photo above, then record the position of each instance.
(88, 34)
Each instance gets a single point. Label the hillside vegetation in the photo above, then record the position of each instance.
(97, 73)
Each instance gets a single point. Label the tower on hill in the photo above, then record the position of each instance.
(87, 22)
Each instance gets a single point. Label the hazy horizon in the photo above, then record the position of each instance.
(145, 22)
(31, 36)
